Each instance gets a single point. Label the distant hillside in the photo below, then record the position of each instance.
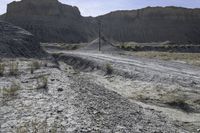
(16, 42)
(154, 24)
(52, 21)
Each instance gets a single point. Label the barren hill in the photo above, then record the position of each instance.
(154, 24)
(16, 42)
(52, 21)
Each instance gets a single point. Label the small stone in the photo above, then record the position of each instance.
(59, 111)
(60, 89)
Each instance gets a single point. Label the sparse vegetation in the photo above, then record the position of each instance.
(2, 69)
(11, 91)
(130, 47)
(181, 104)
(14, 68)
(42, 83)
(109, 69)
(71, 47)
(36, 126)
(34, 66)
(161, 47)
(189, 58)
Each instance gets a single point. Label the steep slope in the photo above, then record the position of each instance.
(16, 42)
(50, 20)
(153, 24)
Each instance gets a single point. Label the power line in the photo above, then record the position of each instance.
(99, 35)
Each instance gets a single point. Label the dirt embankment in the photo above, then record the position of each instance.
(149, 70)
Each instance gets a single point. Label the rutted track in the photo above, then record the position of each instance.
(136, 68)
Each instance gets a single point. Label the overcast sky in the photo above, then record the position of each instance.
(99, 7)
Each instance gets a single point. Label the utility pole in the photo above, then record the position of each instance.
(99, 35)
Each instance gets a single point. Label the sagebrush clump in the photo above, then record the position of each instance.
(42, 83)
(14, 68)
(12, 90)
(2, 69)
(34, 66)
(109, 69)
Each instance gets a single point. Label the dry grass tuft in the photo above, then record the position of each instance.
(109, 69)
(42, 83)
(14, 68)
(34, 66)
(2, 69)
(12, 90)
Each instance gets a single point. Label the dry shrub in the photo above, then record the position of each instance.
(42, 83)
(14, 68)
(2, 69)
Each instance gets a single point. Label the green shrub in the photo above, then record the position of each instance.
(109, 69)
(2, 69)
(14, 68)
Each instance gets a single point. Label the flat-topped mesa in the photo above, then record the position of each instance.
(49, 20)
(40, 8)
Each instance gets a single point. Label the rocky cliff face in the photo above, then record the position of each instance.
(157, 24)
(16, 42)
(52, 21)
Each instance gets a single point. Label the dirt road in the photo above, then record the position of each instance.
(146, 69)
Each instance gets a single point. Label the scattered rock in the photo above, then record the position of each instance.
(60, 89)
(52, 79)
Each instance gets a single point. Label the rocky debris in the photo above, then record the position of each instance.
(16, 42)
(83, 106)
(169, 87)
(151, 24)
(109, 112)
